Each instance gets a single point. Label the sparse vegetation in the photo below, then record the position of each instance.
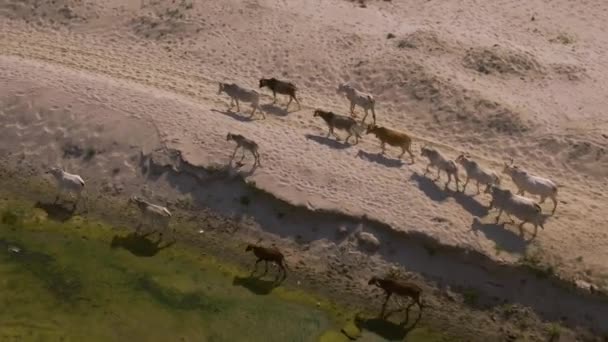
(573, 72)
(498, 249)
(508, 310)
(470, 296)
(46, 266)
(533, 261)
(185, 202)
(396, 273)
(492, 60)
(363, 3)
(423, 40)
(89, 154)
(563, 38)
(75, 151)
(554, 332)
(54, 12)
(165, 19)
(12, 216)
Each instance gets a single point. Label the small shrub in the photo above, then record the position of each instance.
(498, 249)
(11, 216)
(534, 263)
(554, 332)
(563, 38)
(89, 154)
(185, 203)
(396, 273)
(471, 296)
(509, 310)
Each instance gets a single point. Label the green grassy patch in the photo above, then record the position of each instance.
(73, 281)
(66, 277)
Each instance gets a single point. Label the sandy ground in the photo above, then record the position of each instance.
(519, 79)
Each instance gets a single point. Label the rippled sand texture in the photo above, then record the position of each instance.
(521, 79)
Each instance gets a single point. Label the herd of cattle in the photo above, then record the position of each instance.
(516, 204)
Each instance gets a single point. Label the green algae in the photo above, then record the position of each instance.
(76, 279)
(333, 336)
(73, 281)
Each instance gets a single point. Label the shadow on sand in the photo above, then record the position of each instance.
(335, 144)
(380, 158)
(470, 204)
(140, 245)
(501, 235)
(429, 187)
(237, 115)
(275, 109)
(57, 211)
(256, 284)
(386, 329)
(438, 194)
(235, 166)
